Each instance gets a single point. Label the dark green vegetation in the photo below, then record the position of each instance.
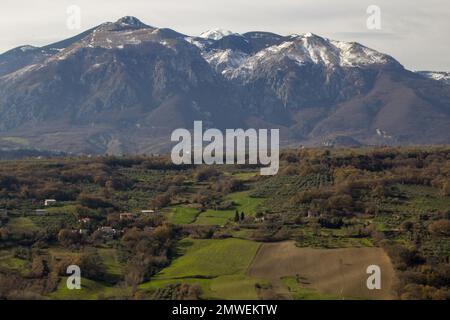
(208, 222)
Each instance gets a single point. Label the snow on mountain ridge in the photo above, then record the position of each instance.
(198, 42)
(217, 34)
(225, 61)
(130, 21)
(436, 75)
(27, 48)
(302, 49)
(229, 58)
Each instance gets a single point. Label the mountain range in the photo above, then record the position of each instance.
(124, 86)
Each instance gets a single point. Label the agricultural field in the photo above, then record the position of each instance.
(217, 266)
(337, 273)
(143, 228)
(22, 223)
(91, 290)
(242, 202)
(182, 215)
(8, 261)
(214, 217)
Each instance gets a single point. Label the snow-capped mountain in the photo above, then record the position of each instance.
(216, 34)
(439, 76)
(225, 61)
(124, 86)
(301, 50)
(130, 22)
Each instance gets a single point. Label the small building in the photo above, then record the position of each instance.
(148, 211)
(108, 232)
(127, 216)
(49, 202)
(40, 212)
(84, 220)
(313, 214)
(260, 219)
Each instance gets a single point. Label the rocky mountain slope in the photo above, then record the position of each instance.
(123, 87)
(439, 76)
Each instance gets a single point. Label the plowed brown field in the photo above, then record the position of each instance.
(337, 272)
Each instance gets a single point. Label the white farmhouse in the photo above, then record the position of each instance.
(49, 202)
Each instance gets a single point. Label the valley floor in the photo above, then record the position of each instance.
(310, 232)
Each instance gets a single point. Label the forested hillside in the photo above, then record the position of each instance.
(143, 228)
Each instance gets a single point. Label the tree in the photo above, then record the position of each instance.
(68, 237)
(134, 275)
(380, 191)
(316, 229)
(440, 228)
(259, 214)
(408, 227)
(446, 188)
(206, 173)
(236, 216)
(39, 268)
(160, 201)
(242, 216)
(94, 202)
(92, 266)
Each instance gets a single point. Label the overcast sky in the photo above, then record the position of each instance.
(415, 32)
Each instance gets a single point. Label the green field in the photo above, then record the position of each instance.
(242, 233)
(210, 258)
(245, 176)
(62, 253)
(182, 215)
(328, 238)
(215, 217)
(90, 290)
(243, 203)
(109, 257)
(218, 266)
(300, 293)
(22, 223)
(66, 209)
(8, 261)
(227, 287)
(421, 199)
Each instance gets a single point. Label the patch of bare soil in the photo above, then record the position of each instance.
(336, 272)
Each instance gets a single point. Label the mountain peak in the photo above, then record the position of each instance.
(124, 23)
(127, 22)
(130, 21)
(216, 34)
(315, 88)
